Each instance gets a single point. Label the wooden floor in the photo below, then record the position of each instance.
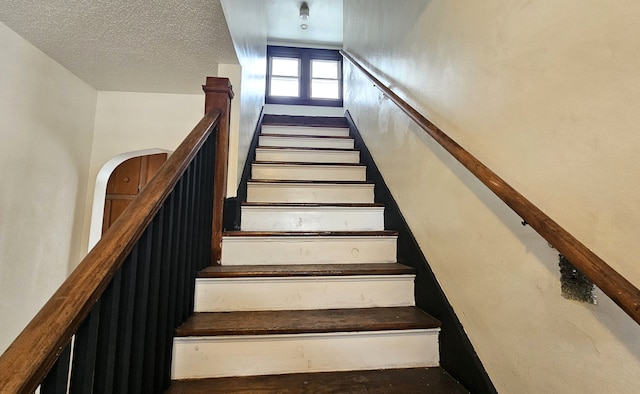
(415, 380)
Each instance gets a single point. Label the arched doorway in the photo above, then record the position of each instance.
(125, 182)
(100, 190)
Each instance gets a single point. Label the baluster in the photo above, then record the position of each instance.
(125, 321)
(108, 336)
(164, 343)
(152, 327)
(140, 312)
(176, 290)
(84, 352)
(184, 250)
(56, 380)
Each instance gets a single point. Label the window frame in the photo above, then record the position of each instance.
(305, 55)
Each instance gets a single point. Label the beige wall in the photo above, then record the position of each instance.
(544, 93)
(248, 26)
(46, 125)
(128, 122)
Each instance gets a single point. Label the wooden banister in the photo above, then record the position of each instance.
(28, 359)
(614, 285)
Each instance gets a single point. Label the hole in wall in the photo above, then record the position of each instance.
(574, 284)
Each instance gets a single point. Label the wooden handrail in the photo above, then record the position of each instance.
(28, 359)
(614, 285)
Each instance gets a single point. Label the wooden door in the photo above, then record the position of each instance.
(125, 183)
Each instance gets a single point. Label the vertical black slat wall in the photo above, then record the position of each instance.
(184, 249)
(136, 361)
(197, 206)
(165, 323)
(153, 312)
(56, 380)
(207, 208)
(125, 324)
(125, 343)
(108, 336)
(84, 352)
(179, 252)
(191, 244)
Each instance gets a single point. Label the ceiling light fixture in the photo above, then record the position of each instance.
(304, 11)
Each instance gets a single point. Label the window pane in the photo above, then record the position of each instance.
(284, 86)
(284, 66)
(324, 69)
(324, 89)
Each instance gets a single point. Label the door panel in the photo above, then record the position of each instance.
(125, 183)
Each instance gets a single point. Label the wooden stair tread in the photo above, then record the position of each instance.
(312, 204)
(298, 270)
(411, 380)
(383, 233)
(302, 120)
(306, 321)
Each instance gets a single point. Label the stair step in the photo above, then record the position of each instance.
(297, 287)
(294, 141)
(406, 381)
(269, 248)
(312, 217)
(267, 271)
(307, 155)
(309, 171)
(306, 321)
(305, 130)
(309, 192)
(304, 120)
(271, 342)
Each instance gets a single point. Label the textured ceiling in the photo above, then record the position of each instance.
(165, 46)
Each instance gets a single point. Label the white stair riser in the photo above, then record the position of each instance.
(303, 142)
(331, 218)
(201, 357)
(308, 172)
(308, 250)
(307, 156)
(309, 193)
(302, 130)
(303, 293)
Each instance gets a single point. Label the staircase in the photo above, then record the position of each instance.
(309, 296)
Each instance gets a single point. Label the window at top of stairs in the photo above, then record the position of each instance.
(304, 76)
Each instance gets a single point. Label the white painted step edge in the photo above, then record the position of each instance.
(305, 142)
(314, 218)
(297, 155)
(203, 357)
(303, 293)
(305, 130)
(302, 192)
(308, 172)
(238, 250)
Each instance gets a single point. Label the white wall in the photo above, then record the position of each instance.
(248, 27)
(128, 121)
(46, 125)
(234, 73)
(544, 93)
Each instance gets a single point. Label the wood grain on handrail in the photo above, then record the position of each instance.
(614, 285)
(28, 359)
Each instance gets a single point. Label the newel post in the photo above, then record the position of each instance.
(218, 95)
